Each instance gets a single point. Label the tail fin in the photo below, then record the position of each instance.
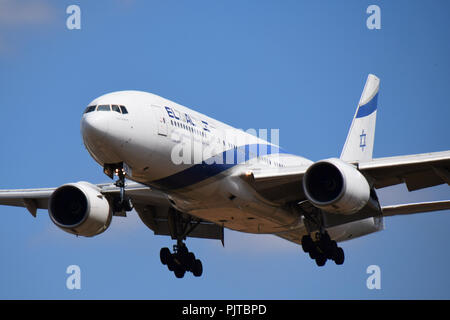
(359, 144)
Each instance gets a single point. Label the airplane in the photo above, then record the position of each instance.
(188, 175)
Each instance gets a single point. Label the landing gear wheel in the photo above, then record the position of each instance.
(165, 255)
(330, 248)
(321, 260)
(190, 261)
(339, 256)
(181, 260)
(197, 268)
(307, 243)
(179, 271)
(313, 253)
(171, 264)
(323, 249)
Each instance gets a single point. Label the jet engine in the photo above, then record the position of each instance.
(79, 208)
(336, 187)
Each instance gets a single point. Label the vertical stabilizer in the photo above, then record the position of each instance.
(359, 144)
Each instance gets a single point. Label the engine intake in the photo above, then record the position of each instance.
(336, 186)
(80, 208)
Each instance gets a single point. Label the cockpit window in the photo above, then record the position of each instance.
(104, 107)
(115, 108)
(124, 110)
(89, 109)
(107, 107)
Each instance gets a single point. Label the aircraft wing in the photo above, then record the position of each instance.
(415, 208)
(34, 199)
(416, 171)
(279, 185)
(152, 206)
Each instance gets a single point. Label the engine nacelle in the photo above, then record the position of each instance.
(79, 208)
(336, 186)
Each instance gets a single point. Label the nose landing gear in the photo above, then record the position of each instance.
(121, 203)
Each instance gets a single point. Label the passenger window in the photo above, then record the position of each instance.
(124, 110)
(115, 108)
(89, 109)
(104, 107)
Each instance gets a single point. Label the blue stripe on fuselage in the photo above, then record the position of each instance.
(215, 165)
(368, 108)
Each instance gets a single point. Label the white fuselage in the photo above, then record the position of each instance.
(195, 159)
(198, 162)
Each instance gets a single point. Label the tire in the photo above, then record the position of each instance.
(307, 243)
(321, 260)
(339, 256)
(165, 255)
(313, 253)
(171, 264)
(197, 269)
(190, 261)
(179, 272)
(330, 250)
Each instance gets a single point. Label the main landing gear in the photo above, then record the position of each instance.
(181, 260)
(323, 249)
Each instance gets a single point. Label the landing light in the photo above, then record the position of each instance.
(117, 171)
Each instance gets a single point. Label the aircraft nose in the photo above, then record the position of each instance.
(94, 127)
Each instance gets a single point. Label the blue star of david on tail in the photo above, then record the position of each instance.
(362, 140)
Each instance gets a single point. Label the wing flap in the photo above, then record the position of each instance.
(157, 218)
(280, 174)
(422, 179)
(417, 171)
(412, 208)
(278, 185)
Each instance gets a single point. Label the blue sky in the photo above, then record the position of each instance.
(299, 66)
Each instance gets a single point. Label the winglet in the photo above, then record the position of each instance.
(360, 139)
